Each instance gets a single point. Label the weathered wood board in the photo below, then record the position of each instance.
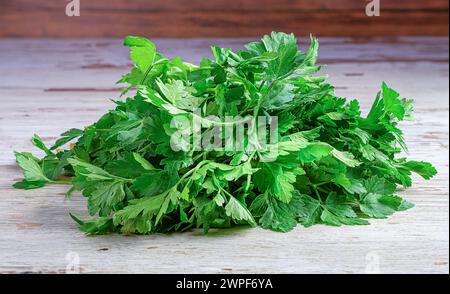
(48, 86)
(222, 18)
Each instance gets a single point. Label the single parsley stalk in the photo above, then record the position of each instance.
(316, 191)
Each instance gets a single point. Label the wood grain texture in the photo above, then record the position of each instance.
(48, 86)
(222, 18)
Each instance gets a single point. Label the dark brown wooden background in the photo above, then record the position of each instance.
(221, 18)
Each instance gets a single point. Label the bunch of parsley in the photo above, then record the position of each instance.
(334, 167)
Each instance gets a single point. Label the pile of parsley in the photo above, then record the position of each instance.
(335, 166)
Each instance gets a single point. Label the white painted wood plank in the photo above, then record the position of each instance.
(37, 232)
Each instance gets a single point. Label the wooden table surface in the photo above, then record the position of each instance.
(48, 86)
(224, 18)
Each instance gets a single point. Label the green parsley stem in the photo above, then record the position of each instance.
(60, 182)
(317, 193)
